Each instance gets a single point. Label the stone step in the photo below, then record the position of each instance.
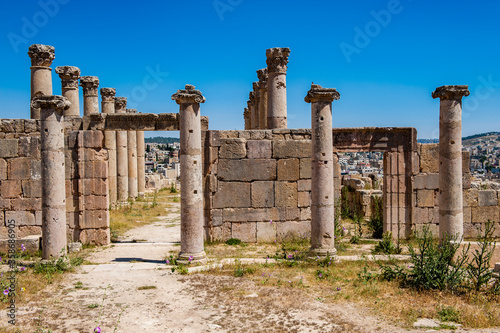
(31, 243)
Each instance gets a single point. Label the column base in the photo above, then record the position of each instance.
(322, 253)
(192, 258)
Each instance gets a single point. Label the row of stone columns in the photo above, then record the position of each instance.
(131, 164)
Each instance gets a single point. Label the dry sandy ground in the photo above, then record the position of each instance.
(181, 303)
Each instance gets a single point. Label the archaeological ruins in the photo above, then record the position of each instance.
(63, 169)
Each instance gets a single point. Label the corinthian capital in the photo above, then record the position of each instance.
(188, 95)
(89, 85)
(41, 55)
(120, 104)
(262, 75)
(320, 94)
(277, 59)
(451, 92)
(69, 76)
(108, 94)
(55, 102)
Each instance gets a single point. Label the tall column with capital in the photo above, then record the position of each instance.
(132, 160)
(246, 116)
(90, 84)
(451, 217)
(54, 240)
(108, 106)
(262, 75)
(69, 79)
(41, 73)
(141, 165)
(277, 60)
(121, 154)
(322, 169)
(192, 218)
(256, 103)
(253, 113)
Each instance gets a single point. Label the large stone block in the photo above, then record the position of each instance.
(288, 169)
(221, 233)
(232, 195)
(30, 147)
(485, 213)
(246, 232)
(304, 185)
(36, 169)
(292, 230)
(420, 215)
(487, 198)
(246, 214)
(94, 236)
(232, 148)
(467, 211)
(259, 149)
(30, 204)
(304, 199)
(471, 197)
(3, 169)
(19, 168)
(95, 219)
(247, 170)
(10, 188)
(285, 194)
(32, 188)
(21, 218)
(4, 204)
(291, 148)
(419, 181)
(429, 158)
(266, 232)
(432, 181)
(9, 148)
(305, 168)
(305, 214)
(263, 194)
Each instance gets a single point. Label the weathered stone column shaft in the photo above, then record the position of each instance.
(54, 239)
(322, 173)
(277, 60)
(121, 154)
(192, 219)
(90, 84)
(69, 80)
(41, 73)
(450, 160)
(132, 161)
(263, 77)
(141, 161)
(108, 106)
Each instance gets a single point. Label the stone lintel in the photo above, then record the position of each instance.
(136, 122)
(277, 59)
(89, 85)
(451, 92)
(55, 102)
(320, 94)
(189, 95)
(108, 94)
(69, 76)
(41, 55)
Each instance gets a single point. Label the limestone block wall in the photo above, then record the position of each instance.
(86, 181)
(361, 202)
(479, 205)
(254, 177)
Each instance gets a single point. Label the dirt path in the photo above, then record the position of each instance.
(180, 303)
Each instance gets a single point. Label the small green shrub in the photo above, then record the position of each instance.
(233, 241)
(376, 222)
(386, 245)
(478, 269)
(449, 313)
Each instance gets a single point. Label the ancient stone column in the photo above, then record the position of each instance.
(256, 102)
(69, 79)
(192, 219)
(121, 154)
(53, 181)
(246, 116)
(108, 106)
(90, 84)
(322, 171)
(262, 75)
(451, 218)
(251, 107)
(41, 73)
(277, 60)
(132, 160)
(141, 165)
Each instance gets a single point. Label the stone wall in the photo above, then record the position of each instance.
(479, 205)
(254, 177)
(86, 181)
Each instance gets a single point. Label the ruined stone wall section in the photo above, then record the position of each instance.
(479, 205)
(87, 200)
(254, 177)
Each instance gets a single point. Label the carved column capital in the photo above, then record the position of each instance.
(262, 75)
(252, 98)
(451, 92)
(120, 104)
(319, 94)
(188, 95)
(131, 110)
(277, 59)
(108, 94)
(89, 85)
(41, 55)
(59, 103)
(69, 76)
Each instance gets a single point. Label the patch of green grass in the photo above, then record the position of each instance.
(146, 287)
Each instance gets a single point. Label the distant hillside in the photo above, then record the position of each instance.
(468, 140)
(161, 139)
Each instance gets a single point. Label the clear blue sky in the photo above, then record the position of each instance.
(385, 74)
